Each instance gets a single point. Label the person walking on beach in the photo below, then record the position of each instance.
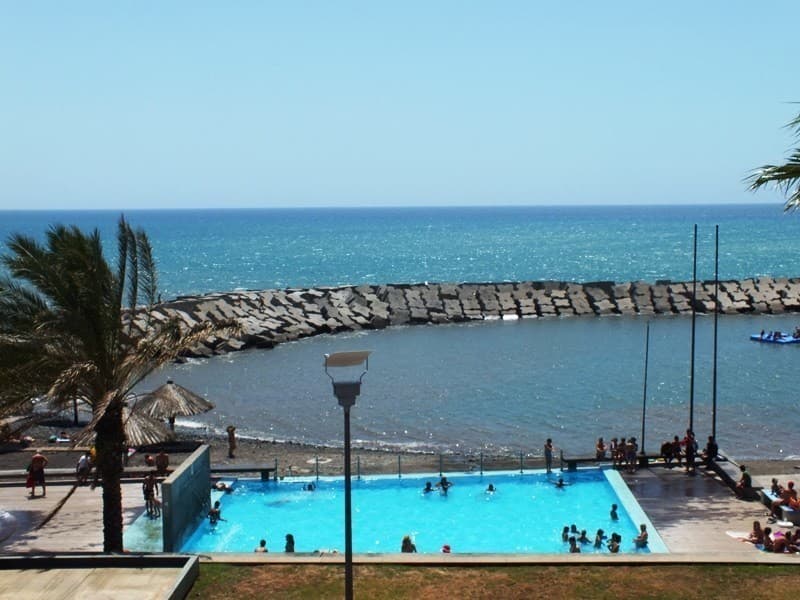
(36, 468)
(548, 455)
(231, 441)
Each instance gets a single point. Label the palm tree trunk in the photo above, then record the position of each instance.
(110, 444)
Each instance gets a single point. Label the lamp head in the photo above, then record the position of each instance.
(350, 370)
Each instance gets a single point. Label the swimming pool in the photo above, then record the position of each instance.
(525, 514)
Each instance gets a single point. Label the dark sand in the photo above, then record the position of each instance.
(301, 459)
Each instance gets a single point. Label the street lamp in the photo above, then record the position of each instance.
(346, 387)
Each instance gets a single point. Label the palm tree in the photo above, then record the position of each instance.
(66, 331)
(785, 177)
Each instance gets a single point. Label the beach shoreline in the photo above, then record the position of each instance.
(301, 460)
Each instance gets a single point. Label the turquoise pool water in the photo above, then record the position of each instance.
(525, 515)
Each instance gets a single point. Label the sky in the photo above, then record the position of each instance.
(123, 105)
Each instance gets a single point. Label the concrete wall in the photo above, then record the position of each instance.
(269, 317)
(185, 496)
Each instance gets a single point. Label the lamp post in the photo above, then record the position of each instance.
(346, 387)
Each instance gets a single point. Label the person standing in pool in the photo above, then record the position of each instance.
(407, 545)
(428, 488)
(548, 455)
(215, 514)
(614, 515)
(289, 543)
(573, 545)
(598, 538)
(444, 485)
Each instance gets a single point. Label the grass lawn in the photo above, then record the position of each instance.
(375, 582)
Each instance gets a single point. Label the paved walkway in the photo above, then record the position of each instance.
(691, 513)
(107, 582)
(77, 527)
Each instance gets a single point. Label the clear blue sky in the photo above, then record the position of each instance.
(244, 104)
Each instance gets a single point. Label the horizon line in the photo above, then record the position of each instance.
(389, 207)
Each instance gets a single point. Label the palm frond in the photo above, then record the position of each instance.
(132, 282)
(21, 307)
(785, 177)
(148, 274)
(122, 261)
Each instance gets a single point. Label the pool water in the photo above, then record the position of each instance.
(525, 514)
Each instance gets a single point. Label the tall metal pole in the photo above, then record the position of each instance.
(694, 319)
(346, 392)
(716, 322)
(644, 392)
(348, 513)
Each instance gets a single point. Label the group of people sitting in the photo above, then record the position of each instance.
(777, 542)
(784, 496)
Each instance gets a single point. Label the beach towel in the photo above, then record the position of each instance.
(739, 535)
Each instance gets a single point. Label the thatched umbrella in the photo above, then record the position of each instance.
(171, 400)
(143, 430)
(140, 429)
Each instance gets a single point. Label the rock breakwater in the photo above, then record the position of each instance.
(270, 317)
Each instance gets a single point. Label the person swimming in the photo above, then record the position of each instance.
(444, 485)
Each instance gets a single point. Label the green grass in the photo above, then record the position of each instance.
(392, 582)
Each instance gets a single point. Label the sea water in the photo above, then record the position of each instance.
(492, 386)
(202, 251)
(526, 514)
(503, 387)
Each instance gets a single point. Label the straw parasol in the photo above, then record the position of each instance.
(143, 430)
(171, 400)
(140, 429)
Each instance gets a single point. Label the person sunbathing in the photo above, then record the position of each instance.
(768, 546)
(783, 544)
(757, 535)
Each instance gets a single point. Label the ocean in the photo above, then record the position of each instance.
(492, 386)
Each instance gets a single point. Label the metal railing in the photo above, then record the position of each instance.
(404, 464)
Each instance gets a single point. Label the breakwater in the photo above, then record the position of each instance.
(270, 317)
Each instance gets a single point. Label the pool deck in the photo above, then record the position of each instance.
(691, 514)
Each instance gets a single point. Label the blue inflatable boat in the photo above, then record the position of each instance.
(777, 337)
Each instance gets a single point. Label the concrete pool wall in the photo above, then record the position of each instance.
(185, 494)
